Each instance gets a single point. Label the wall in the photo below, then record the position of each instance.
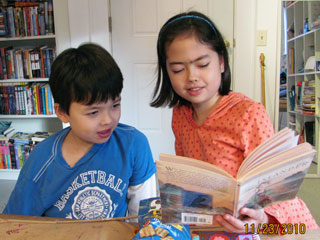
(89, 22)
(253, 15)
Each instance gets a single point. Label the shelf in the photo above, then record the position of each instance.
(9, 174)
(52, 36)
(303, 34)
(26, 116)
(303, 74)
(24, 80)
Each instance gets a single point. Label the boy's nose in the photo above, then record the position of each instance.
(106, 119)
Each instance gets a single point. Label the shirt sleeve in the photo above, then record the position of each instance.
(294, 211)
(145, 190)
(143, 164)
(257, 127)
(22, 200)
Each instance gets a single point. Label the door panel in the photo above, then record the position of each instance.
(135, 27)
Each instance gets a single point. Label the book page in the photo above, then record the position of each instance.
(276, 183)
(193, 162)
(188, 192)
(278, 143)
(272, 162)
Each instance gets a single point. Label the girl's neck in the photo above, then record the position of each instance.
(202, 111)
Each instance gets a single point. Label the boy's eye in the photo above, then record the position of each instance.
(93, 113)
(116, 105)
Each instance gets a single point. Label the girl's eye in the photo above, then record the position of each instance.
(177, 71)
(204, 65)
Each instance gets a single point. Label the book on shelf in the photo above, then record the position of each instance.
(18, 63)
(193, 191)
(15, 150)
(26, 98)
(24, 19)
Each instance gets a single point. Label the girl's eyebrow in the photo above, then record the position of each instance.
(192, 61)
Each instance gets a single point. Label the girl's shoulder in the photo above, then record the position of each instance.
(237, 98)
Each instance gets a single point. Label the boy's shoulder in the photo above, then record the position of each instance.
(126, 129)
(51, 142)
(128, 133)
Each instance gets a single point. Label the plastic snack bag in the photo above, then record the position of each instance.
(151, 227)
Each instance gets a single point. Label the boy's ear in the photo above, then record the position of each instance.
(62, 115)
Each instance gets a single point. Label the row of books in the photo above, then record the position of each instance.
(14, 151)
(18, 63)
(26, 99)
(25, 19)
(305, 97)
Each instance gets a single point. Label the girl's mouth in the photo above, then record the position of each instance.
(194, 91)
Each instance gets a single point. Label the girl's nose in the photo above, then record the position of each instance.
(192, 74)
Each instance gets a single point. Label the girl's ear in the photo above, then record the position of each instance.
(222, 64)
(62, 115)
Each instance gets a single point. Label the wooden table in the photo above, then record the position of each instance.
(15, 227)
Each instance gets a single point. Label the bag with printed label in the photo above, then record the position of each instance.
(151, 227)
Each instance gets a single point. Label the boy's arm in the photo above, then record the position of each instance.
(145, 190)
(24, 200)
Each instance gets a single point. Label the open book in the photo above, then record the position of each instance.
(193, 191)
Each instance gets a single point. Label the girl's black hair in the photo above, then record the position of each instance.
(87, 74)
(203, 28)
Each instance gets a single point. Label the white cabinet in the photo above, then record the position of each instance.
(303, 71)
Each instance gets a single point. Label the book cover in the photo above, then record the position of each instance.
(193, 191)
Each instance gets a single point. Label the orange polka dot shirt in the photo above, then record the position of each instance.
(235, 127)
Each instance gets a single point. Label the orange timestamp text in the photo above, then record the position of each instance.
(271, 228)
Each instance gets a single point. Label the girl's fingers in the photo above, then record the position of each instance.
(230, 223)
(255, 214)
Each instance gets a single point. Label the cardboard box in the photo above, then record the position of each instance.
(16, 227)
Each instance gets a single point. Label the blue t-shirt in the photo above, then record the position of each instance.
(95, 187)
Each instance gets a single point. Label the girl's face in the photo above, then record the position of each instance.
(194, 70)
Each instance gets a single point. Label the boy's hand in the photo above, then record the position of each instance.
(253, 216)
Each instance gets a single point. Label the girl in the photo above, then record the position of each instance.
(211, 123)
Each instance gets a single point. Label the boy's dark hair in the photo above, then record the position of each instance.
(203, 28)
(87, 74)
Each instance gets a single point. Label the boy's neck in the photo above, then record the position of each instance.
(73, 150)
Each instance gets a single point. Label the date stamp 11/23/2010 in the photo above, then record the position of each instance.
(268, 229)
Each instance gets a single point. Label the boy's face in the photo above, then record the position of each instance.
(91, 124)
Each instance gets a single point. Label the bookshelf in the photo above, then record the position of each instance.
(51, 41)
(303, 72)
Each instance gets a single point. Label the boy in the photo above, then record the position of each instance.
(97, 167)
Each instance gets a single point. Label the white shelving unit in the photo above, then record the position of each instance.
(303, 46)
(60, 41)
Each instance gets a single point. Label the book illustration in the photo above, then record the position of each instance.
(193, 191)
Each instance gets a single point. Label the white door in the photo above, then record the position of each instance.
(135, 26)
